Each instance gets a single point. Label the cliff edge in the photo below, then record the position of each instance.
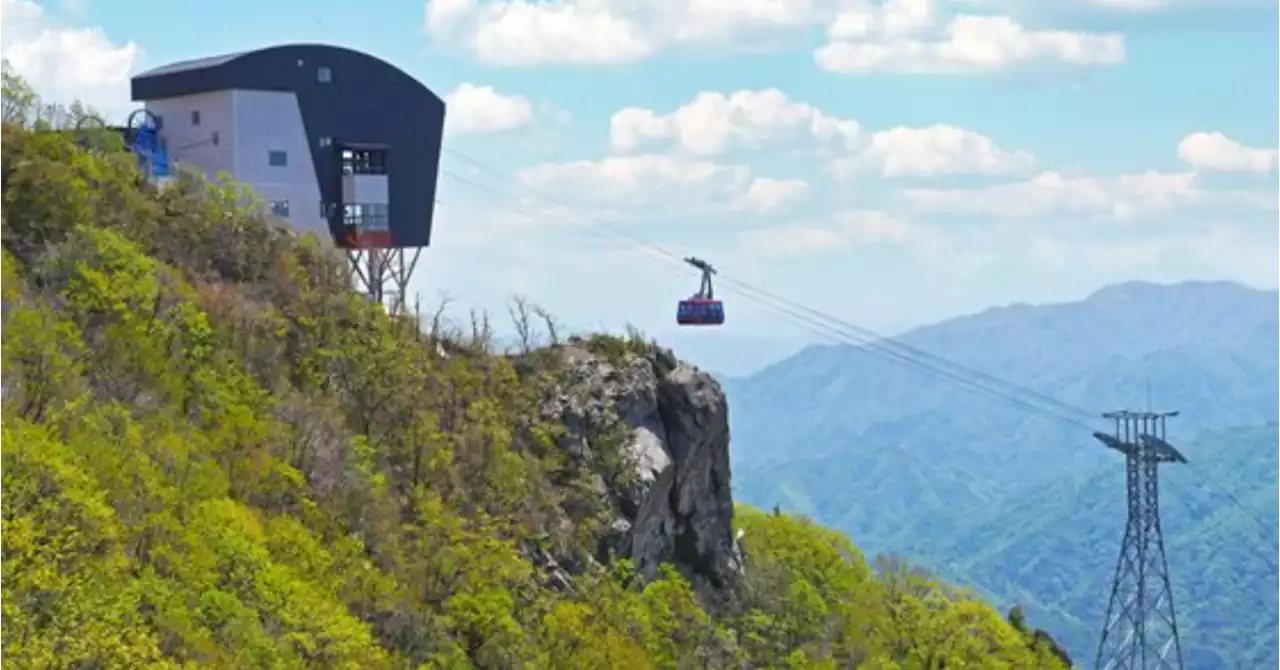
(672, 492)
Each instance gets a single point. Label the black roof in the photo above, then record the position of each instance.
(362, 101)
(277, 68)
(192, 64)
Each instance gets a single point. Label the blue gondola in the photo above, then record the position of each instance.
(702, 309)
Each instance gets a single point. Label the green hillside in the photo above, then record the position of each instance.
(214, 455)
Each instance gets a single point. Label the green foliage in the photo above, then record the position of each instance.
(811, 600)
(214, 455)
(617, 349)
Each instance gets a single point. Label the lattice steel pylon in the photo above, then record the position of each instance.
(383, 275)
(1140, 631)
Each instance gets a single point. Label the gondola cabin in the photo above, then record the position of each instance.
(700, 312)
(702, 309)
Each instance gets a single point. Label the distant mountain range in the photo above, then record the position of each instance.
(895, 454)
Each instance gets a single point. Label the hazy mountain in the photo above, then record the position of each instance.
(1055, 551)
(836, 392)
(894, 455)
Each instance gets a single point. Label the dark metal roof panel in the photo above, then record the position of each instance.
(190, 65)
(365, 101)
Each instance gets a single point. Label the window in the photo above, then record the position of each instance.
(277, 158)
(326, 142)
(280, 208)
(195, 117)
(364, 161)
(366, 215)
(324, 75)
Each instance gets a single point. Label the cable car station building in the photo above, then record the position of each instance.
(335, 141)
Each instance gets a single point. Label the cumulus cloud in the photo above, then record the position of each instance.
(1120, 7)
(933, 150)
(1133, 5)
(714, 123)
(908, 36)
(65, 63)
(524, 33)
(660, 181)
(474, 109)
(639, 179)
(1215, 151)
(765, 194)
(850, 228)
(864, 35)
(1053, 193)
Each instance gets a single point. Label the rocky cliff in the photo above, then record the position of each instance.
(668, 421)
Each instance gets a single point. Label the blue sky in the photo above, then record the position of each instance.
(892, 163)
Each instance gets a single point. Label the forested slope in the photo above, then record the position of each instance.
(215, 455)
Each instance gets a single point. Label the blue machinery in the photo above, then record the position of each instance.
(142, 139)
(140, 135)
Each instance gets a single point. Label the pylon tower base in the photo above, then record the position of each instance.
(383, 275)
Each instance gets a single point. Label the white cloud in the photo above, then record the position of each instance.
(1215, 151)
(891, 19)
(714, 123)
(898, 35)
(765, 194)
(851, 228)
(66, 63)
(790, 241)
(1132, 5)
(525, 33)
(933, 150)
(658, 181)
(902, 36)
(474, 109)
(637, 179)
(1050, 193)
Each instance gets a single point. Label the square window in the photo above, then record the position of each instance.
(324, 75)
(195, 117)
(277, 158)
(280, 208)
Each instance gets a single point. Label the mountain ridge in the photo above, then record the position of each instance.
(892, 455)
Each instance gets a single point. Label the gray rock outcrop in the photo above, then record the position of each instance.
(676, 506)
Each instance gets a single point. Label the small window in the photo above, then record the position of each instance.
(195, 117)
(277, 158)
(324, 75)
(280, 208)
(326, 142)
